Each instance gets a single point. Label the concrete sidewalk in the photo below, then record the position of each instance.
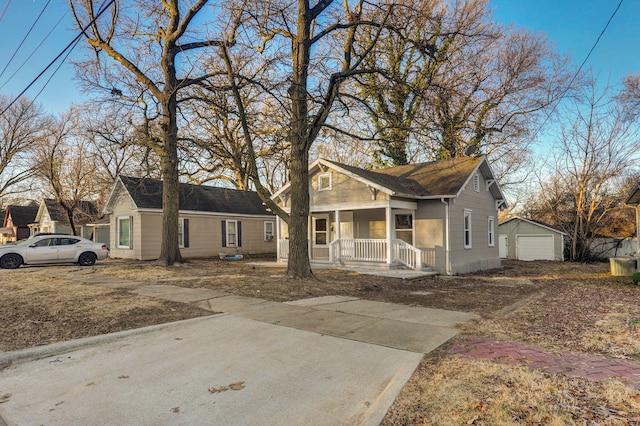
(330, 360)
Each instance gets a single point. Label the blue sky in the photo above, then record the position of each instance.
(573, 25)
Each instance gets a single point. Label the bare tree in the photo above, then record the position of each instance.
(66, 166)
(594, 152)
(20, 126)
(145, 53)
(310, 52)
(454, 80)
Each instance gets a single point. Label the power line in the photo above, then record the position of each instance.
(69, 46)
(5, 10)
(24, 38)
(577, 73)
(34, 52)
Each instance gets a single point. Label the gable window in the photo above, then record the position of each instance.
(268, 231)
(324, 182)
(491, 227)
(183, 232)
(476, 182)
(123, 225)
(467, 229)
(320, 231)
(231, 233)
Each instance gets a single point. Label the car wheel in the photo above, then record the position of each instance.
(10, 261)
(87, 259)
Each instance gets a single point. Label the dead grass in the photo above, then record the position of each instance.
(558, 306)
(38, 309)
(453, 391)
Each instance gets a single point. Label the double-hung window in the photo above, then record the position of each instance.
(268, 231)
(491, 231)
(467, 229)
(183, 232)
(123, 225)
(231, 233)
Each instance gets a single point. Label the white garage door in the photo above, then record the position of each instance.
(535, 247)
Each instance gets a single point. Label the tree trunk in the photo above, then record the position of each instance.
(170, 250)
(299, 265)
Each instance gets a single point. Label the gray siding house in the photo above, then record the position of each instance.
(633, 199)
(52, 218)
(438, 216)
(527, 239)
(212, 221)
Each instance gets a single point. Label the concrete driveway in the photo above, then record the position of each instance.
(316, 362)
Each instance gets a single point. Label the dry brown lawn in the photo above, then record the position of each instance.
(558, 306)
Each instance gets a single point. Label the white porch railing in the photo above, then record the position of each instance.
(406, 254)
(361, 250)
(370, 250)
(283, 248)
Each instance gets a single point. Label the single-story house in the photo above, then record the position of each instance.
(52, 218)
(439, 216)
(16, 220)
(212, 220)
(528, 239)
(633, 199)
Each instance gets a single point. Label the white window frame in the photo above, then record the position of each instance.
(321, 178)
(181, 232)
(476, 182)
(234, 242)
(491, 237)
(269, 234)
(119, 221)
(327, 230)
(466, 225)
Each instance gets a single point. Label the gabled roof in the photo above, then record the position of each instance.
(147, 194)
(22, 215)
(435, 179)
(85, 212)
(633, 199)
(533, 222)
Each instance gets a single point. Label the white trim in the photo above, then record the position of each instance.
(491, 231)
(181, 232)
(321, 177)
(363, 205)
(467, 213)
(268, 237)
(532, 223)
(327, 230)
(119, 219)
(214, 214)
(226, 232)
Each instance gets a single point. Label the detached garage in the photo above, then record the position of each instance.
(526, 239)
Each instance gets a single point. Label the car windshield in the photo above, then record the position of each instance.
(27, 242)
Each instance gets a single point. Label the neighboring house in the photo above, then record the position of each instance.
(52, 218)
(212, 220)
(440, 215)
(99, 230)
(633, 199)
(16, 220)
(527, 239)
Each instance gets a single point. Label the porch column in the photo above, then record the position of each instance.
(336, 236)
(389, 221)
(278, 238)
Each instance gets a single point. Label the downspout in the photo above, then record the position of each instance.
(447, 255)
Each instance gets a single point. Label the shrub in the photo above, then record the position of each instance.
(636, 278)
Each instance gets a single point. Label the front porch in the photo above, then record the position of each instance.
(367, 253)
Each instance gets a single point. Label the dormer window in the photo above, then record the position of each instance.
(324, 182)
(476, 183)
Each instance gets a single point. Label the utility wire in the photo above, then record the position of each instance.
(71, 45)
(575, 75)
(5, 10)
(33, 53)
(24, 38)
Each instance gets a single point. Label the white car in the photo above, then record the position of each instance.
(52, 248)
